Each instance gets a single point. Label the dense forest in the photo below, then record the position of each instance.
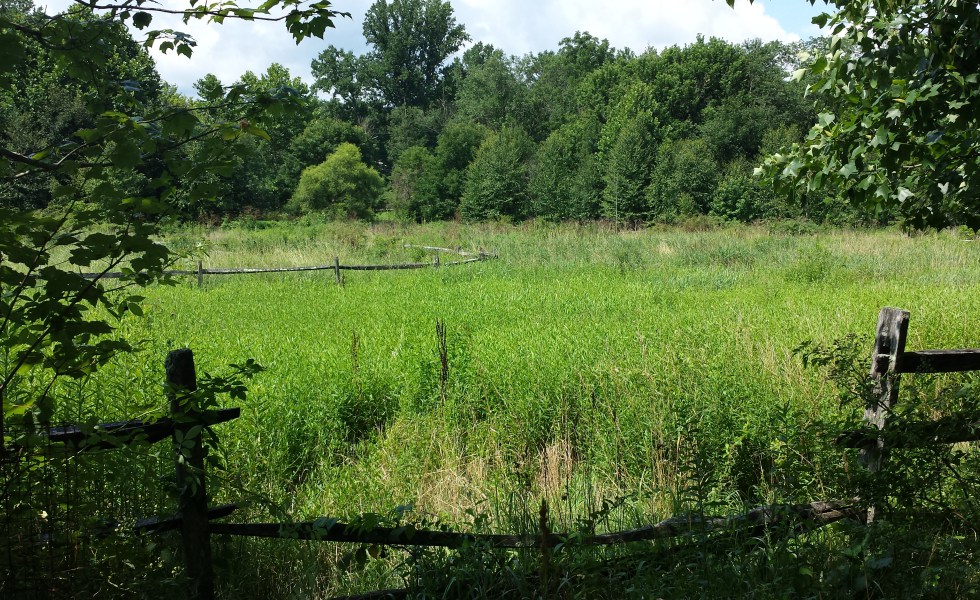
(433, 125)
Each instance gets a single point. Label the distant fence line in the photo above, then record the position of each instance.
(336, 267)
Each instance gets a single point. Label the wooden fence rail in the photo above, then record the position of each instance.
(185, 428)
(200, 272)
(107, 436)
(816, 514)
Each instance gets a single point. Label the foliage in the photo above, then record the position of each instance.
(897, 122)
(411, 41)
(415, 187)
(489, 92)
(410, 126)
(48, 325)
(342, 186)
(683, 181)
(321, 136)
(265, 167)
(627, 170)
(555, 73)
(585, 365)
(398, 91)
(742, 197)
(565, 183)
(497, 179)
(455, 149)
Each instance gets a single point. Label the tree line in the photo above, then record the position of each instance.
(432, 125)
(417, 126)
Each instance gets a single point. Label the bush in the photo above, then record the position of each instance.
(341, 185)
(497, 181)
(684, 180)
(742, 197)
(415, 187)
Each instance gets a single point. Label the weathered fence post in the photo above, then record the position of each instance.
(893, 327)
(200, 274)
(189, 455)
(336, 268)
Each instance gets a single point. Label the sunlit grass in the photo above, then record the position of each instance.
(584, 364)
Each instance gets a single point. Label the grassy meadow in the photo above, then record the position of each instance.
(623, 377)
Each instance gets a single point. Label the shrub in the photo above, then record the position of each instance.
(341, 185)
(415, 187)
(742, 197)
(497, 181)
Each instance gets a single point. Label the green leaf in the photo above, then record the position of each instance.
(257, 132)
(125, 155)
(142, 19)
(848, 170)
(180, 123)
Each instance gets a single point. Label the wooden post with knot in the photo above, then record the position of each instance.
(890, 336)
(189, 455)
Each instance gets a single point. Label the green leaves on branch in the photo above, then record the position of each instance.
(112, 179)
(900, 79)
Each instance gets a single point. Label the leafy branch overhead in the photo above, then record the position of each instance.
(899, 101)
(87, 189)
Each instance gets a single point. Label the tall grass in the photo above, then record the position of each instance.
(623, 377)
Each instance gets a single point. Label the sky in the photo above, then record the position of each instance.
(516, 27)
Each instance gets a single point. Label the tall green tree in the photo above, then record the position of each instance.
(684, 180)
(489, 92)
(551, 75)
(456, 148)
(497, 180)
(411, 42)
(627, 170)
(415, 182)
(264, 174)
(566, 182)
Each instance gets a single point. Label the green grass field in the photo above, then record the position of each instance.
(624, 377)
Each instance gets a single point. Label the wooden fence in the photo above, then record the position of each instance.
(194, 515)
(336, 267)
(889, 360)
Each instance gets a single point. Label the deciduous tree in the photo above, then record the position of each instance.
(342, 186)
(901, 78)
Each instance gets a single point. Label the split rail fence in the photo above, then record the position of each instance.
(336, 267)
(889, 360)
(194, 516)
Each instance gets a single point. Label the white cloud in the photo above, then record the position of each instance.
(515, 26)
